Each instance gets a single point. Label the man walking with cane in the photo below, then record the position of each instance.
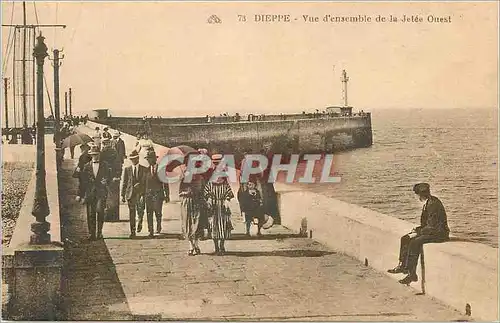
(96, 177)
(133, 188)
(156, 193)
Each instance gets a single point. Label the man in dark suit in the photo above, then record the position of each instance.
(82, 161)
(118, 144)
(133, 187)
(109, 155)
(156, 193)
(95, 178)
(433, 228)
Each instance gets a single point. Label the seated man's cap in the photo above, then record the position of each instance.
(421, 187)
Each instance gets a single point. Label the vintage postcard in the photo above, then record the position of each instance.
(250, 161)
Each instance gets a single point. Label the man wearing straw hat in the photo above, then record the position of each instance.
(133, 187)
(95, 179)
(156, 192)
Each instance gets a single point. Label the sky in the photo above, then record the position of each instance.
(164, 58)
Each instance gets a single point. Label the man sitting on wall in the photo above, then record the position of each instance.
(433, 228)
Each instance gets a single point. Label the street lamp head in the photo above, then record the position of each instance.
(40, 50)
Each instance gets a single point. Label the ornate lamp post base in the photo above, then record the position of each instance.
(40, 235)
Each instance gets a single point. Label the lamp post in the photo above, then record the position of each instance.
(40, 227)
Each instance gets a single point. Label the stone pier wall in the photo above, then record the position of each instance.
(306, 135)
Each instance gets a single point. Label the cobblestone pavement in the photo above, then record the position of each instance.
(279, 276)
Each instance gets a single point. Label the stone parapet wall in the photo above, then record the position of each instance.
(457, 272)
(33, 272)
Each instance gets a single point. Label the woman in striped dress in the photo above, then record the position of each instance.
(193, 208)
(218, 194)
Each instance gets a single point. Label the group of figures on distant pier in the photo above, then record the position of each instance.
(204, 202)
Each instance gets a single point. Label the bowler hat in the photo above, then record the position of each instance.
(134, 154)
(421, 188)
(94, 150)
(151, 154)
(116, 134)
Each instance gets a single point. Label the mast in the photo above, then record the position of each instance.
(18, 114)
(14, 81)
(25, 108)
(33, 78)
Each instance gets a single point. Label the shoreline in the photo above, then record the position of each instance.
(15, 180)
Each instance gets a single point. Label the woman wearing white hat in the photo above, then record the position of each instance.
(218, 194)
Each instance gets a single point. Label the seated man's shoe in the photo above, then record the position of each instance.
(398, 270)
(409, 279)
(132, 235)
(139, 227)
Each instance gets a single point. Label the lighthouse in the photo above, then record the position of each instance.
(344, 109)
(344, 80)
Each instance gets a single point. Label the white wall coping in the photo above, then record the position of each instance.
(457, 272)
(22, 230)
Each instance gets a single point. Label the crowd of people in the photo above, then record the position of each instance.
(205, 202)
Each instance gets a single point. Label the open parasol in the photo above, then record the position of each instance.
(181, 150)
(75, 140)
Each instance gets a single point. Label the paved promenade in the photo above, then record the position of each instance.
(278, 276)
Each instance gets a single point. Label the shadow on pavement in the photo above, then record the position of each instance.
(160, 236)
(272, 236)
(280, 253)
(90, 284)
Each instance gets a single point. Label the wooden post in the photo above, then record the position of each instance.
(70, 108)
(57, 112)
(65, 104)
(422, 268)
(6, 84)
